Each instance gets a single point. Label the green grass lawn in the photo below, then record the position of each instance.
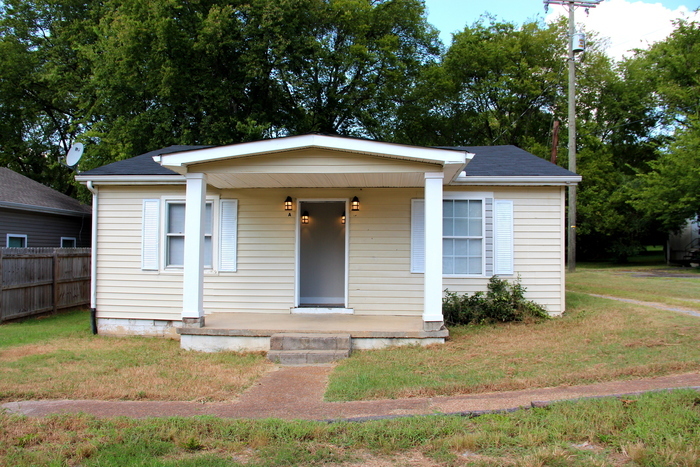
(658, 429)
(57, 357)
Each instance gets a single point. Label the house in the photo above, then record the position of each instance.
(34, 215)
(228, 245)
(683, 247)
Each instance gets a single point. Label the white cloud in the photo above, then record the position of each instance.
(627, 25)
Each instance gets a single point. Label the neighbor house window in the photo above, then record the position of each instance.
(175, 234)
(16, 241)
(462, 236)
(68, 242)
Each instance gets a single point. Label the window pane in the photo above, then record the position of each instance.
(474, 265)
(461, 266)
(447, 265)
(461, 247)
(207, 252)
(67, 243)
(475, 227)
(208, 219)
(17, 242)
(475, 248)
(447, 209)
(461, 227)
(447, 247)
(447, 227)
(176, 251)
(461, 208)
(176, 218)
(475, 209)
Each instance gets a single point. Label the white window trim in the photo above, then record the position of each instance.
(452, 196)
(456, 195)
(75, 242)
(22, 236)
(163, 247)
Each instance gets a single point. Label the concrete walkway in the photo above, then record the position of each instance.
(297, 393)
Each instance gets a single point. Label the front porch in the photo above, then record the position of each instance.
(252, 331)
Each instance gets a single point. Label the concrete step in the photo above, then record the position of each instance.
(301, 349)
(300, 341)
(305, 357)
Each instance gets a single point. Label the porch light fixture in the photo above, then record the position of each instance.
(305, 217)
(355, 204)
(342, 218)
(288, 203)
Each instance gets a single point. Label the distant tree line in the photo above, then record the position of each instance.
(126, 76)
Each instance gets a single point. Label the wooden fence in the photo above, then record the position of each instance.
(39, 280)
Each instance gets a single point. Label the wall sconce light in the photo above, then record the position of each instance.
(305, 217)
(355, 204)
(342, 218)
(288, 203)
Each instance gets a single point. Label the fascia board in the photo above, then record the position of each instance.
(431, 155)
(516, 181)
(42, 209)
(132, 179)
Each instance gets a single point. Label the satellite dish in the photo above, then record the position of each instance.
(74, 154)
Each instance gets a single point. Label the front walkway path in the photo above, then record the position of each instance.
(297, 393)
(659, 306)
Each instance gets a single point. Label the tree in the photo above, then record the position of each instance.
(497, 84)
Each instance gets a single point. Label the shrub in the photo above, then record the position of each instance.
(503, 302)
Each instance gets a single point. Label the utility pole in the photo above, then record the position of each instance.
(571, 224)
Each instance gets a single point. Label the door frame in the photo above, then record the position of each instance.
(297, 257)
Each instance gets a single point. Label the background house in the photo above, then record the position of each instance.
(34, 215)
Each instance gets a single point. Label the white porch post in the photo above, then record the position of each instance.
(432, 307)
(193, 269)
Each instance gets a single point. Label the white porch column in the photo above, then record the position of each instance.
(432, 307)
(193, 269)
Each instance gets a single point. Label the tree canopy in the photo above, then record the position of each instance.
(127, 76)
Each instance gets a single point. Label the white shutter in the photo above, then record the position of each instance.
(417, 235)
(503, 236)
(150, 235)
(228, 238)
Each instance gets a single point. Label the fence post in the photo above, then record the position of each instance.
(55, 280)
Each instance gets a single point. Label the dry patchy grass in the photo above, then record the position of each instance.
(597, 340)
(124, 368)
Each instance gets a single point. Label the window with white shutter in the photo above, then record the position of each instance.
(150, 235)
(228, 237)
(477, 236)
(503, 237)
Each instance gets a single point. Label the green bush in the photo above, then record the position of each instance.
(503, 302)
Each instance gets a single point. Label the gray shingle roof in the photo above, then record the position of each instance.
(141, 165)
(494, 161)
(16, 189)
(509, 161)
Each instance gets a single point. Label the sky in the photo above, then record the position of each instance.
(627, 24)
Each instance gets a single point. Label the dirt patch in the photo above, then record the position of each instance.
(663, 272)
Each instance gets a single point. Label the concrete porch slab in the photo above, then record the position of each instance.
(252, 331)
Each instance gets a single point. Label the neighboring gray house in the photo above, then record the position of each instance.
(33, 215)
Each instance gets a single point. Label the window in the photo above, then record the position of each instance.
(175, 234)
(68, 242)
(16, 241)
(167, 249)
(477, 235)
(462, 236)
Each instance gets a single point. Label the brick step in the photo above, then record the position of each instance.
(300, 341)
(304, 357)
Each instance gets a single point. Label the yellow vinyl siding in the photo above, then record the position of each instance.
(538, 245)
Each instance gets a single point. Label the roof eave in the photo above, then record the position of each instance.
(517, 180)
(43, 209)
(131, 179)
